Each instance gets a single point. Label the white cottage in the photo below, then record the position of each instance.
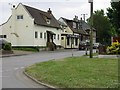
(31, 27)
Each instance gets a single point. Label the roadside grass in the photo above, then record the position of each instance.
(77, 72)
(94, 54)
(26, 49)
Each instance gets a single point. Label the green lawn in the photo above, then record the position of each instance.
(77, 72)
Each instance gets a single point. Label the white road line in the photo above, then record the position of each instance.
(16, 68)
(1, 71)
(3, 76)
(22, 67)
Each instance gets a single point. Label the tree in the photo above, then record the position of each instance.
(114, 15)
(103, 27)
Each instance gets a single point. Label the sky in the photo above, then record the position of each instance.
(60, 8)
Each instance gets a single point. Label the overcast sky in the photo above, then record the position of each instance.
(60, 8)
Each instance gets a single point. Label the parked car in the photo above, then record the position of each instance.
(83, 45)
(96, 45)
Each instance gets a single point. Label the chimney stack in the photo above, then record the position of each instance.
(75, 18)
(49, 11)
(81, 22)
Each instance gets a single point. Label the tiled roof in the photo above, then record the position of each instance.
(80, 31)
(41, 16)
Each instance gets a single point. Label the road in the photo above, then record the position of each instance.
(12, 67)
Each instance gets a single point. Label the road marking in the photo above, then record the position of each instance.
(16, 68)
(3, 76)
(22, 67)
(1, 71)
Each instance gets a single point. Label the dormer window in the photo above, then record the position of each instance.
(19, 16)
(74, 25)
(48, 21)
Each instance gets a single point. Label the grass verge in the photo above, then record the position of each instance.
(26, 49)
(77, 72)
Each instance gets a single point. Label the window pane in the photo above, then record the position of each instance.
(0, 36)
(68, 41)
(44, 35)
(54, 36)
(18, 17)
(41, 35)
(58, 36)
(36, 35)
(62, 38)
(76, 41)
(74, 25)
(21, 16)
(5, 36)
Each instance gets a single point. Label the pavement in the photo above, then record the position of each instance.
(20, 53)
(15, 53)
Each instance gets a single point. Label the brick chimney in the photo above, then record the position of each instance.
(75, 18)
(49, 11)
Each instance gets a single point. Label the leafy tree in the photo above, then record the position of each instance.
(103, 27)
(114, 15)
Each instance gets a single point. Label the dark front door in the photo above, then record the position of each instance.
(48, 37)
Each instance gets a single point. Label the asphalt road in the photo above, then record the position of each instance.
(12, 67)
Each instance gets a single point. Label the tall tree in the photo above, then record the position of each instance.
(114, 15)
(102, 26)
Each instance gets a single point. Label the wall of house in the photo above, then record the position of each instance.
(19, 31)
(24, 27)
(64, 41)
(66, 31)
(42, 41)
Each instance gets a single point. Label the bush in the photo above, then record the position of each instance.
(7, 46)
(114, 48)
(34, 49)
(51, 46)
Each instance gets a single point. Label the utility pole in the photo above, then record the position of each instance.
(84, 16)
(91, 31)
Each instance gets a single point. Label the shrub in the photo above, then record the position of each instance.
(114, 48)
(7, 46)
(34, 49)
(51, 46)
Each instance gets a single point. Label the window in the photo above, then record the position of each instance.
(3, 36)
(58, 36)
(19, 16)
(36, 34)
(74, 25)
(76, 41)
(44, 35)
(81, 38)
(68, 41)
(62, 38)
(48, 21)
(54, 36)
(41, 35)
(72, 40)
(78, 26)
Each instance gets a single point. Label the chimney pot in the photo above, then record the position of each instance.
(49, 11)
(13, 6)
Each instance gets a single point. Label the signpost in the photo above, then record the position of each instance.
(91, 32)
